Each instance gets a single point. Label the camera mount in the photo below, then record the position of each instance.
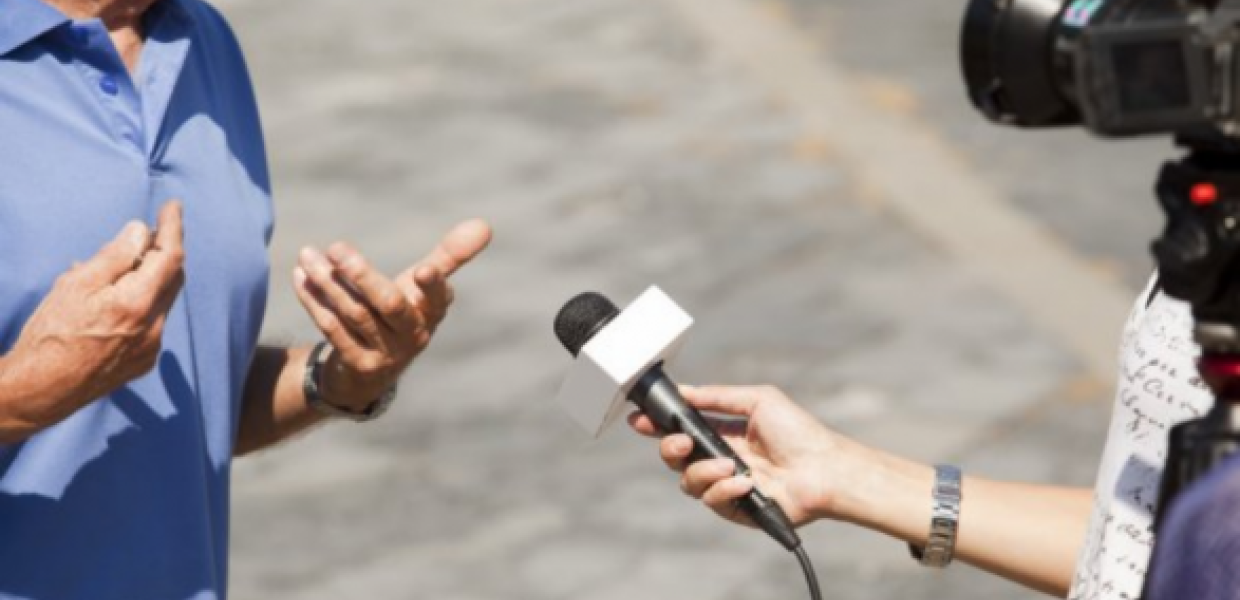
(1198, 256)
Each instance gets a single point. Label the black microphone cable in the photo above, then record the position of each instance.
(810, 578)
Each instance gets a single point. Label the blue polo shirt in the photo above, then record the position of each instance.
(128, 498)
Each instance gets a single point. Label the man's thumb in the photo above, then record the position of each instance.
(119, 256)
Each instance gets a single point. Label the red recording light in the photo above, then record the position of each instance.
(1203, 194)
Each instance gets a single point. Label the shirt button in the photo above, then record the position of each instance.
(108, 85)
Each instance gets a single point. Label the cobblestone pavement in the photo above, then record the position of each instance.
(615, 146)
(1096, 196)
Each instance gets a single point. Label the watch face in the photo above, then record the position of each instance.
(936, 557)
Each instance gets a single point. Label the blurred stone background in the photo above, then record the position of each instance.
(722, 150)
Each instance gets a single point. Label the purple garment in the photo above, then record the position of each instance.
(1198, 552)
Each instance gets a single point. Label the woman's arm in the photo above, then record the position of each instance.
(1030, 534)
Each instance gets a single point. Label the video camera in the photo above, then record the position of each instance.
(1118, 67)
(1131, 67)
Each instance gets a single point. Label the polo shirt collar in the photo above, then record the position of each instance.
(161, 9)
(25, 20)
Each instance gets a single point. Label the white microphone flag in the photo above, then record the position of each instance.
(649, 331)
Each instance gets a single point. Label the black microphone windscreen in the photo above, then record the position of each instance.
(581, 318)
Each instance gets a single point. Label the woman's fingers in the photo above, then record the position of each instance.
(727, 427)
(675, 449)
(643, 425)
(730, 400)
(701, 475)
(722, 496)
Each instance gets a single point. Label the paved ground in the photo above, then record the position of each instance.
(1094, 195)
(617, 144)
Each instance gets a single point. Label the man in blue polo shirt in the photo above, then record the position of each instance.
(130, 373)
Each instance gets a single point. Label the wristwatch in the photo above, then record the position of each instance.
(944, 520)
(312, 387)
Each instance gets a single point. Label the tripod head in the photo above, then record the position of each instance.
(1198, 254)
(1198, 259)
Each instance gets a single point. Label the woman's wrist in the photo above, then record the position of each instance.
(890, 495)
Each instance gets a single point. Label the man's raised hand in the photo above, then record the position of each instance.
(376, 325)
(98, 328)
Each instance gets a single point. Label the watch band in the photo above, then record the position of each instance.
(944, 519)
(312, 388)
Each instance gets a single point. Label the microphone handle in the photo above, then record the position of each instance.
(658, 398)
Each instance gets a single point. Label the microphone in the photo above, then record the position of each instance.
(585, 317)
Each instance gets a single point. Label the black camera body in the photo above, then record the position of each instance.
(1117, 67)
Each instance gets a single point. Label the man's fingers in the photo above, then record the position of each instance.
(464, 242)
(162, 305)
(435, 294)
(376, 290)
(426, 284)
(701, 475)
(739, 401)
(343, 302)
(160, 267)
(170, 232)
(168, 295)
(324, 318)
(118, 257)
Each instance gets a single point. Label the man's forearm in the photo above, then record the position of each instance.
(1027, 533)
(274, 405)
(18, 419)
(35, 395)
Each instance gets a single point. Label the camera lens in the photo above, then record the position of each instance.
(1007, 49)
